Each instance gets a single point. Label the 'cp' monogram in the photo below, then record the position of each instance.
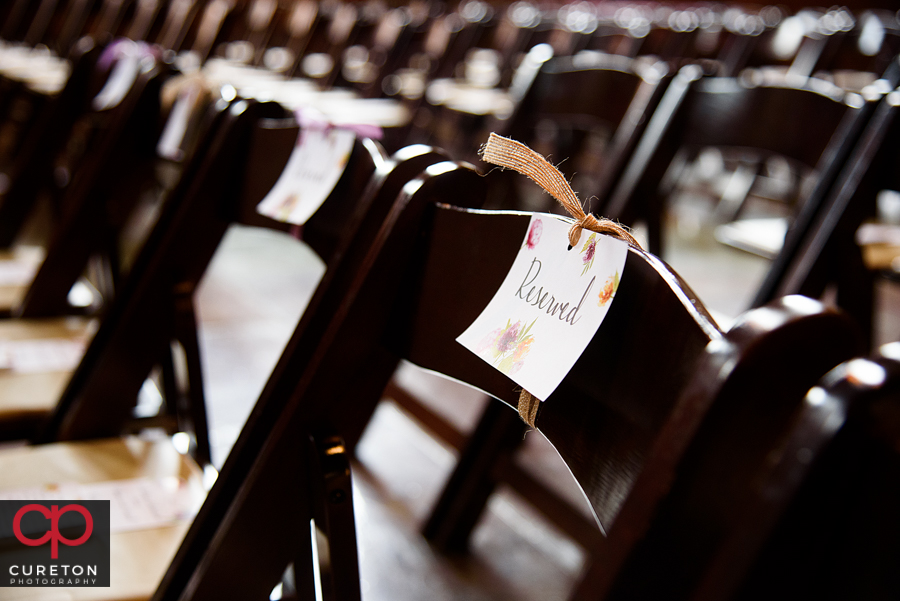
(53, 534)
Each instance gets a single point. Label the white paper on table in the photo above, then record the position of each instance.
(134, 504)
(15, 272)
(41, 354)
(312, 171)
(550, 304)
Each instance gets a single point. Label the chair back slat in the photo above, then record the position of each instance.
(602, 434)
(732, 413)
(93, 211)
(840, 466)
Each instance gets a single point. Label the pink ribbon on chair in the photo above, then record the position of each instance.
(309, 118)
(122, 47)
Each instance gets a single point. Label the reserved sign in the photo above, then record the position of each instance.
(312, 171)
(549, 306)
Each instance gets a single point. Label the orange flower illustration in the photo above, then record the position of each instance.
(609, 289)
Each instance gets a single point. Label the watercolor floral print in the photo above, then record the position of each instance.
(609, 289)
(587, 253)
(534, 234)
(507, 347)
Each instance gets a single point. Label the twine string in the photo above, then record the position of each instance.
(510, 154)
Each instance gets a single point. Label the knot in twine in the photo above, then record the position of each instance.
(510, 154)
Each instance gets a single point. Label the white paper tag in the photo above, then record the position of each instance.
(41, 355)
(169, 146)
(314, 168)
(134, 504)
(549, 306)
(120, 79)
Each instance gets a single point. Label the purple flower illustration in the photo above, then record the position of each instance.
(507, 347)
(587, 253)
(507, 341)
(534, 234)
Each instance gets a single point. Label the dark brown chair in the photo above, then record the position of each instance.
(595, 98)
(431, 270)
(155, 302)
(840, 459)
(93, 209)
(811, 125)
(592, 94)
(829, 252)
(800, 507)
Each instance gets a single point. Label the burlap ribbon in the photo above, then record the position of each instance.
(510, 154)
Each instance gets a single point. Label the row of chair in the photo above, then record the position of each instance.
(600, 429)
(352, 324)
(181, 287)
(818, 251)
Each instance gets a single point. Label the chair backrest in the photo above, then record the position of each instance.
(32, 161)
(93, 208)
(838, 465)
(428, 274)
(813, 124)
(629, 409)
(734, 412)
(828, 253)
(590, 93)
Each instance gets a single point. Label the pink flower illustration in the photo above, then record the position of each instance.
(534, 234)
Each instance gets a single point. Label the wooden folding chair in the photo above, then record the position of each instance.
(760, 500)
(102, 194)
(829, 253)
(591, 98)
(595, 94)
(431, 271)
(814, 125)
(840, 459)
(153, 300)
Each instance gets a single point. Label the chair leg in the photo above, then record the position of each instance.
(856, 290)
(186, 334)
(248, 539)
(333, 517)
(736, 192)
(498, 434)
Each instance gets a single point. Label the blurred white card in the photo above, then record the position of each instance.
(41, 354)
(134, 504)
(312, 171)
